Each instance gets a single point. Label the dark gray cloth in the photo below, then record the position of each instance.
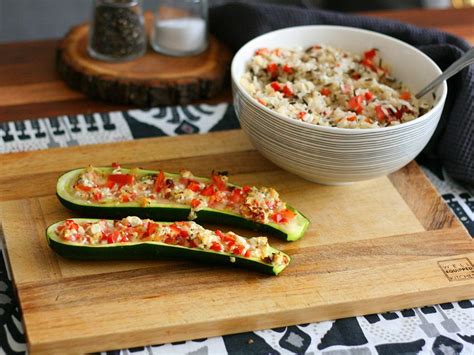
(453, 141)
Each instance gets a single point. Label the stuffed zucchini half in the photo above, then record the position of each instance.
(115, 192)
(134, 238)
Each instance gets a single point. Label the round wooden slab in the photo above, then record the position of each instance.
(150, 80)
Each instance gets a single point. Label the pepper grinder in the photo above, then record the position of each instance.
(180, 27)
(117, 31)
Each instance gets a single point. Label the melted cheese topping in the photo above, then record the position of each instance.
(187, 234)
(258, 204)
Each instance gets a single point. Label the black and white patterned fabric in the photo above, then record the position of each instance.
(440, 329)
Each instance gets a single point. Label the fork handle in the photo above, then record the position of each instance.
(466, 59)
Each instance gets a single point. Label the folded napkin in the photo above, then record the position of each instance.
(453, 142)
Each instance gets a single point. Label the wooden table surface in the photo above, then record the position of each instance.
(30, 87)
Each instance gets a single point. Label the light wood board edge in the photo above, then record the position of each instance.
(225, 327)
(423, 199)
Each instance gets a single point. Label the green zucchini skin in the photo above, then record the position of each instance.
(151, 251)
(170, 212)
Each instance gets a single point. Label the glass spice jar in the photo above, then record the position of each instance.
(180, 27)
(117, 32)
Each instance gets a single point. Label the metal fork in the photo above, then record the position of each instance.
(458, 65)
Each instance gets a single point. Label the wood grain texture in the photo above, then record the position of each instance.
(150, 80)
(371, 247)
(31, 63)
(456, 21)
(383, 262)
(430, 209)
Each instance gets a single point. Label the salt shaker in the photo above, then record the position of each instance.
(180, 27)
(117, 31)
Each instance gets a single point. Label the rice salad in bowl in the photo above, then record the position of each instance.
(335, 104)
(327, 86)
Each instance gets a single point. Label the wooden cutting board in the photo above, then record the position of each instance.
(375, 246)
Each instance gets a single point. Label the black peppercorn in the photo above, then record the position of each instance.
(118, 31)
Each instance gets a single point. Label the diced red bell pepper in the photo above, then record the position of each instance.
(277, 217)
(97, 196)
(71, 225)
(351, 118)
(301, 115)
(208, 191)
(121, 179)
(368, 96)
(216, 246)
(160, 181)
(370, 54)
(194, 186)
(355, 103)
(112, 237)
(325, 91)
(125, 198)
(287, 92)
(195, 203)
(247, 253)
(238, 250)
(151, 228)
(229, 240)
(368, 59)
(178, 231)
(236, 195)
(272, 69)
(283, 216)
(175, 228)
(115, 166)
(220, 184)
(83, 188)
(110, 184)
(246, 188)
(405, 95)
(287, 69)
(369, 64)
(170, 240)
(380, 113)
(275, 86)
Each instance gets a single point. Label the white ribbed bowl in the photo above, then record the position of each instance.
(332, 155)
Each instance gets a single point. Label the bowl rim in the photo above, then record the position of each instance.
(439, 105)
